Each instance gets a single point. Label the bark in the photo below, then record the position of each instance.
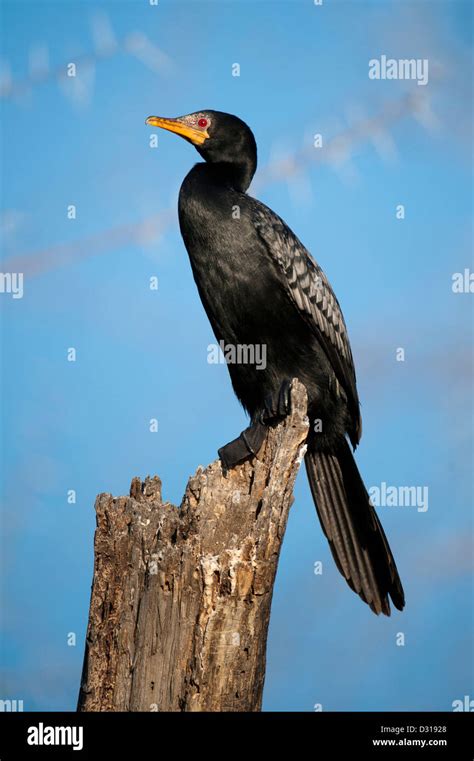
(181, 597)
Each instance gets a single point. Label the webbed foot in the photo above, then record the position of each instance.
(244, 446)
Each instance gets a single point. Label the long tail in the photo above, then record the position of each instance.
(351, 525)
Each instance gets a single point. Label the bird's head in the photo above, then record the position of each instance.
(219, 138)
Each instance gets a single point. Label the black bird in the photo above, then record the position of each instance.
(260, 286)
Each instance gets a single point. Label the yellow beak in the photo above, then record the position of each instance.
(195, 136)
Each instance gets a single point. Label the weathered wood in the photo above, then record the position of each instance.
(181, 598)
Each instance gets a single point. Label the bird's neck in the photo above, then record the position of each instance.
(206, 203)
(229, 174)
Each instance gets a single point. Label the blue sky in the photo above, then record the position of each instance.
(142, 354)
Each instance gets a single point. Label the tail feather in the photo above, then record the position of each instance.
(351, 525)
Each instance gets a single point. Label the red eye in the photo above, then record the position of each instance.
(203, 122)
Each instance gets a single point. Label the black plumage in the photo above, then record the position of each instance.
(259, 285)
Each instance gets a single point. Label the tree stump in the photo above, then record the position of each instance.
(181, 597)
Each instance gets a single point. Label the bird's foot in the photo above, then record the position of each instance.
(277, 407)
(249, 442)
(246, 445)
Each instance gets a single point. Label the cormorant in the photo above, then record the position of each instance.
(260, 286)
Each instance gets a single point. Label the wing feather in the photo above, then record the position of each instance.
(311, 292)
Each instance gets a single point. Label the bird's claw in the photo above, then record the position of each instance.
(279, 407)
(244, 446)
(249, 442)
